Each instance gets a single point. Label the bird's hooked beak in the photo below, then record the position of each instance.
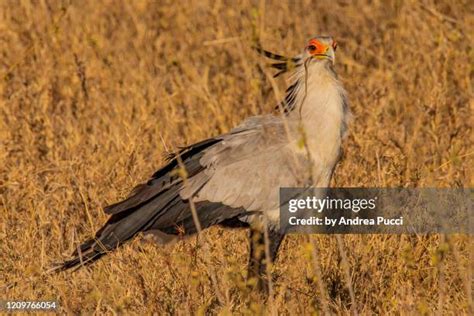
(319, 50)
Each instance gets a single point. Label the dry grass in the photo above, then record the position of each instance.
(92, 94)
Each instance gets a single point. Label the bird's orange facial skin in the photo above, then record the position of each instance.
(316, 48)
(321, 49)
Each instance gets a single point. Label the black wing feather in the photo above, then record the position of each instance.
(155, 205)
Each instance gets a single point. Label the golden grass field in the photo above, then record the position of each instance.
(93, 94)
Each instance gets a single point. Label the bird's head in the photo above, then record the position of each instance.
(321, 48)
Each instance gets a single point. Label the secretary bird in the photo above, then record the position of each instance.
(233, 179)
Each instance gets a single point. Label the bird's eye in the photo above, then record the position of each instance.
(311, 47)
(334, 46)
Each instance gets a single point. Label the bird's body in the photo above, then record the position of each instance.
(265, 153)
(235, 178)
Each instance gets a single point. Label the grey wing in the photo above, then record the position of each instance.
(248, 167)
(228, 177)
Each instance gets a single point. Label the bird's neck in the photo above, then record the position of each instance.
(320, 102)
(320, 112)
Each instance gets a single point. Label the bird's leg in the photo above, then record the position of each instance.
(256, 255)
(257, 268)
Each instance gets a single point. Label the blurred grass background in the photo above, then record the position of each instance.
(92, 94)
